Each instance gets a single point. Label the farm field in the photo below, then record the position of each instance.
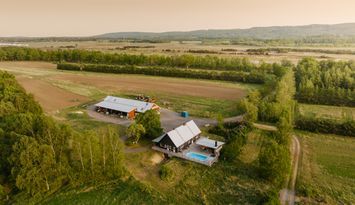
(215, 49)
(327, 167)
(325, 111)
(204, 98)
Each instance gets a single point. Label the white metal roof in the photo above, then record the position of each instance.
(115, 106)
(203, 141)
(125, 105)
(182, 134)
(193, 127)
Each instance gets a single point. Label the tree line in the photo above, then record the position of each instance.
(39, 155)
(325, 82)
(328, 126)
(97, 57)
(234, 76)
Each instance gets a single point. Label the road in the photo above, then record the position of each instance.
(288, 194)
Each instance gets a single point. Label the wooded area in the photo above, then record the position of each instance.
(39, 155)
(326, 82)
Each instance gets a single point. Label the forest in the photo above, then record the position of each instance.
(33, 143)
(325, 82)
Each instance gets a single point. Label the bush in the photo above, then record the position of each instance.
(166, 173)
(274, 162)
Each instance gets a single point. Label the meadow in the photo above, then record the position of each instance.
(326, 172)
(326, 111)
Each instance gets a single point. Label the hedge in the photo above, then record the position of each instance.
(328, 126)
(233, 76)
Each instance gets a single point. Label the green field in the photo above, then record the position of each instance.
(325, 111)
(327, 169)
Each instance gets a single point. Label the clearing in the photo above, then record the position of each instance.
(326, 111)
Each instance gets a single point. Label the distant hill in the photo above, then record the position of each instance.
(273, 32)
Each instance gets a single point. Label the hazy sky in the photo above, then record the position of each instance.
(90, 17)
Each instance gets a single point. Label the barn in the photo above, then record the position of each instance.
(179, 138)
(124, 107)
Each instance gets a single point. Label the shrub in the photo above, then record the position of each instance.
(274, 162)
(166, 173)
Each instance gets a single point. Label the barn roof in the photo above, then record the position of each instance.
(181, 134)
(125, 105)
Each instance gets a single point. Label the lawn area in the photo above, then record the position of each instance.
(325, 111)
(327, 172)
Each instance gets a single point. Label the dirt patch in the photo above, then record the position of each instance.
(156, 158)
(134, 83)
(50, 97)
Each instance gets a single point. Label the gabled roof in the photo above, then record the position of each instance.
(125, 105)
(115, 106)
(181, 134)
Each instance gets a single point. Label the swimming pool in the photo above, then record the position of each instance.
(194, 155)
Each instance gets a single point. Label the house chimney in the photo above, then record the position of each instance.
(215, 143)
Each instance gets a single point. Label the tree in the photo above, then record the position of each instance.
(274, 161)
(34, 166)
(151, 123)
(135, 131)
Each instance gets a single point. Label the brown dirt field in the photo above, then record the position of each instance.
(50, 97)
(26, 64)
(134, 83)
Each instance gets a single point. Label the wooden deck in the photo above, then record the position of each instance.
(182, 155)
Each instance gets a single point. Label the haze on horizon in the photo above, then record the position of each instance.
(91, 17)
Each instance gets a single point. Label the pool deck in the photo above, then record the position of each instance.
(192, 148)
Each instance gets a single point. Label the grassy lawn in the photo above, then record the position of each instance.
(327, 172)
(325, 111)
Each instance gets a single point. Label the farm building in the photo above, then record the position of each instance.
(185, 142)
(124, 107)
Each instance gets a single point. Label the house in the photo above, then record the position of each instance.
(179, 138)
(124, 107)
(186, 142)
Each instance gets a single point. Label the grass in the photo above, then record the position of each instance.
(325, 111)
(327, 172)
(224, 183)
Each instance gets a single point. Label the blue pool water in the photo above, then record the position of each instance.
(197, 156)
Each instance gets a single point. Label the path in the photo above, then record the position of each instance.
(287, 195)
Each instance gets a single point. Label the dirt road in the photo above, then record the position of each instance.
(288, 194)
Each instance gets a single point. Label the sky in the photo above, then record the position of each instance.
(91, 17)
